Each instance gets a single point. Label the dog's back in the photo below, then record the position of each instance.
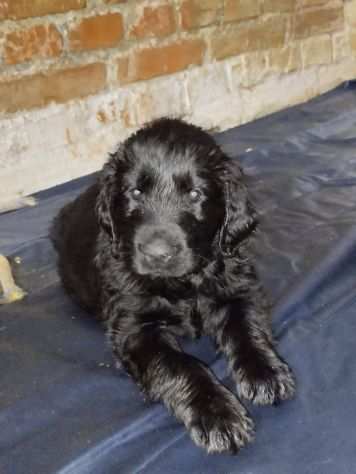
(74, 235)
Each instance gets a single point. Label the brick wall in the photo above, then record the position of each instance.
(77, 76)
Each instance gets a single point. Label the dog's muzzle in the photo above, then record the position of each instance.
(159, 251)
(162, 251)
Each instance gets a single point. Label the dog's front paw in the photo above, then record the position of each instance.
(221, 424)
(266, 383)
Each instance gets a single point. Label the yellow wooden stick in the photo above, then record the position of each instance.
(9, 291)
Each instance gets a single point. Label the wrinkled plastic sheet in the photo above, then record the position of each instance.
(65, 408)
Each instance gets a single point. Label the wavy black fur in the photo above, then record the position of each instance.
(159, 248)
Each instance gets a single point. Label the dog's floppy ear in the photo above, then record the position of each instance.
(107, 189)
(240, 216)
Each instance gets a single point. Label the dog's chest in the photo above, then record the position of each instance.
(184, 319)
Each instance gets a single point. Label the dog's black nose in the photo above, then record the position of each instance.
(158, 251)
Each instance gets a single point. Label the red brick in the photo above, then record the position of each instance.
(17, 9)
(152, 62)
(286, 60)
(102, 31)
(237, 10)
(317, 50)
(318, 21)
(197, 13)
(59, 86)
(154, 21)
(353, 41)
(123, 70)
(309, 3)
(255, 36)
(278, 6)
(350, 13)
(42, 41)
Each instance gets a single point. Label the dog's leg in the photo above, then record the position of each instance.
(214, 417)
(243, 333)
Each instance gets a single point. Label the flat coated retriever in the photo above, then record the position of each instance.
(157, 248)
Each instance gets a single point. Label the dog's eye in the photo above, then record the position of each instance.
(136, 193)
(195, 195)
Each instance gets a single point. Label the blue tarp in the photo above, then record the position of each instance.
(65, 408)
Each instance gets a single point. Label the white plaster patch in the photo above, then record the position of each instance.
(45, 147)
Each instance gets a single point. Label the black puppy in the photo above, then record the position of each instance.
(158, 248)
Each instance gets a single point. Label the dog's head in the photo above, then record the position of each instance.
(171, 200)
